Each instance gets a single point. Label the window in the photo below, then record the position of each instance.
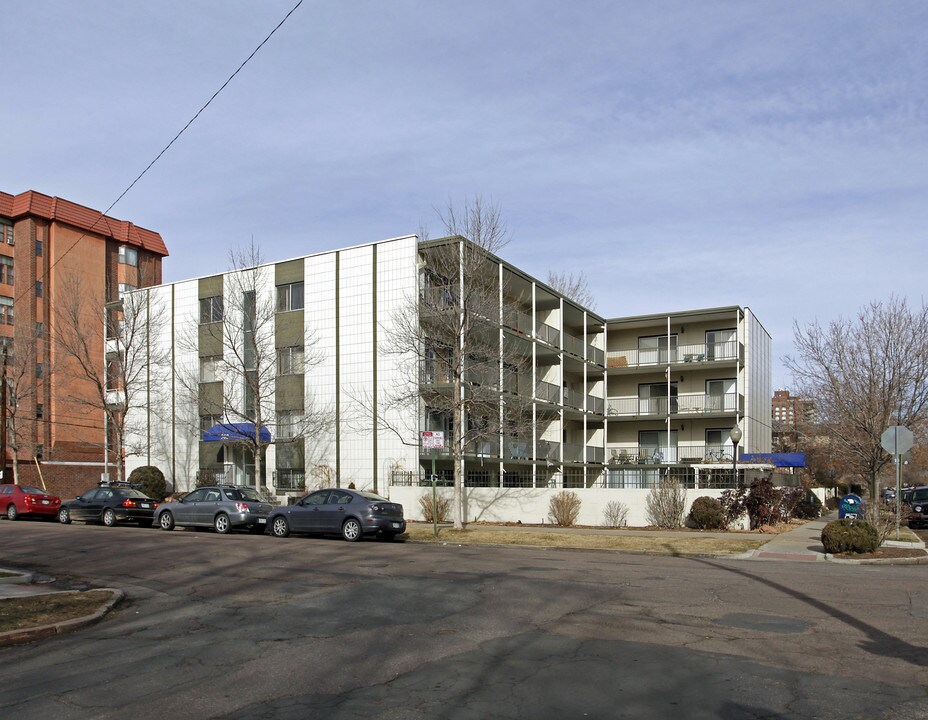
(6, 270)
(6, 232)
(124, 288)
(39, 370)
(290, 297)
(290, 360)
(6, 310)
(38, 248)
(39, 411)
(653, 349)
(211, 310)
(289, 424)
(39, 329)
(6, 346)
(128, 256)
(39, 451)
(38, 286)
(209, 368)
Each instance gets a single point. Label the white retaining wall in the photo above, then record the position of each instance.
(530, 505)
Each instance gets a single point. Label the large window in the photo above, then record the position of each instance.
(652, 399)
(721, 344)
(209, 368)
(211, 310)
(6, 270)
(128, 256)
(6, 232)
(653, 349)
(290, 360)
(289, 424)
(290, 297)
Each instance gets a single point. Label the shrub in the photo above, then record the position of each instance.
(150, 481)
(666, 504)
(615, 514)
(707, 514)
(442, 505)
(564, 508)
(809, 508)
(763, 503)
(849, 536)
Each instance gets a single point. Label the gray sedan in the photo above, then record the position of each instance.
(352, 513)
(221, 507)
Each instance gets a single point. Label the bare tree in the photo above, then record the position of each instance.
(246, 367)
(864, 375)
(23, 388)
(105, 359)
(457, 365)
(575, 287)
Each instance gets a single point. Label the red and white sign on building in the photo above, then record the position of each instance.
(433, 440)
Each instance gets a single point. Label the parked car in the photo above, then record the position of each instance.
(16, 500)
(109, 503)
(352, 513)
(221, 507)
(918, 500)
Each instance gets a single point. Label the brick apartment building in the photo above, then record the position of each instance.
(50, 250)
(787, 413)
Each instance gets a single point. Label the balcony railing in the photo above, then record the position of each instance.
(548, 334)
(442, 297)
(573, 398)
(595, 454)
(573, 345)
(548, 392)
(696, 404)
(681, 454)
(711, 352)
(594, 354)
(289, 479)
(572, 453)
(595, 404)
(517, 320)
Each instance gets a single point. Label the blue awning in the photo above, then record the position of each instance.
(775, 459)
(235, 432)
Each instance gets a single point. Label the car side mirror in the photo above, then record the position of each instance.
(78, 497)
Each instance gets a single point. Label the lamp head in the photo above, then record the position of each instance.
(735, 435)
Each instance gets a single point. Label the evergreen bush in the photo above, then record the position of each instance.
(707, 514)
(150, 481)
(850, 536)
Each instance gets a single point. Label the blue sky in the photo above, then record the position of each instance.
(680, 154)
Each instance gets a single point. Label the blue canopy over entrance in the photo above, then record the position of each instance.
(235, 432)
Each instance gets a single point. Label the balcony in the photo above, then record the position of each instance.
(681, 454)
(700, 353)
(548, 392)
(441, 297)
(548, 334)
(525, 449)
(573, 345)
(693, 404)
(595, 455)
(517, 320)
(116, 399)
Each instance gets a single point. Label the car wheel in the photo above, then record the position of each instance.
(280, 527)
(109, 517)
(166, 521)
(222, 524)
(11, 513)
(64, 517)
(351, 530)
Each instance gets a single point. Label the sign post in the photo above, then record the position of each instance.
(897, 441)
(434, 441)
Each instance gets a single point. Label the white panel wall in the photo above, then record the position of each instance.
(319, 321)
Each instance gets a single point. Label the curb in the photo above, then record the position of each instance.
(878, 561)
(24, 635)
(16, 578)
(570, 548)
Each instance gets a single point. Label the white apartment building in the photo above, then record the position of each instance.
(607, 405)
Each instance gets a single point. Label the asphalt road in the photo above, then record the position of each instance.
(256, 627)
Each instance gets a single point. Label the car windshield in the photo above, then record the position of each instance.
(243, 494)
(31, 490)
(372, 496)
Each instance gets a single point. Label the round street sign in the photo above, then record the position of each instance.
(896, 440)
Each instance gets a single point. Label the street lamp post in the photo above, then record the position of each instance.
(735, 436)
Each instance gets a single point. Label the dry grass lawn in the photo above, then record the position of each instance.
(689, 544)
(38, 610)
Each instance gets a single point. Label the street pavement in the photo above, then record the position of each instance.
(243, 626)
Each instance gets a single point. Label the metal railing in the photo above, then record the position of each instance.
(573, 345)
(594, 354)
(441, 297)
(517, 320)
(595, 454)
(548, 334)
(683, 404)
(573, 397)
(548, 391)
(595, 404)
(289, 479)
(701, 352)
(686, 454)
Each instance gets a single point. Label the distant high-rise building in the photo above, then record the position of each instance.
(788, 412)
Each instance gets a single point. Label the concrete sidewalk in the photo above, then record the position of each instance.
(804, 544)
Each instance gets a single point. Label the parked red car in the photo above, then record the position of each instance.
(16, 500)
